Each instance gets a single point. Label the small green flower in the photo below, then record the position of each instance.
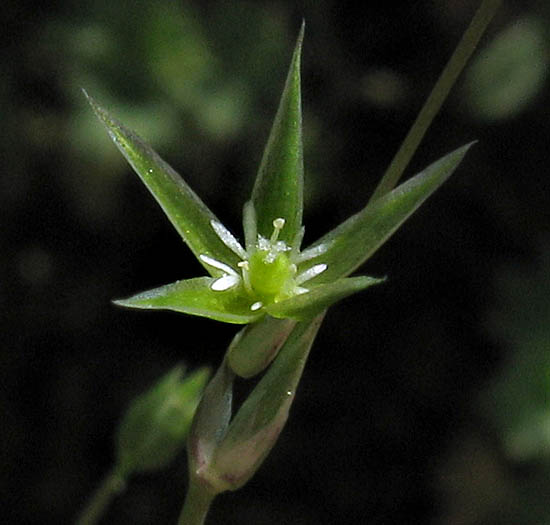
(270, 274)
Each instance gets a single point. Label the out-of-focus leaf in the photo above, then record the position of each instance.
(512, 70)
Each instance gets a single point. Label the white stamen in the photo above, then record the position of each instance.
(312, 272)
(300, 290)
(228, 238)
(218, 265)
(311, 253)
(245, 267)
(256, 306)
(225, 283)
(278, 225)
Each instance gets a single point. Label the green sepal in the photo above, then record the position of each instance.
(185, 210)
(261, 418)
(278, 190)
(257, 344)
(156, 425)
(307, 305)
(210, 426)
(195, 297)
(351, 243)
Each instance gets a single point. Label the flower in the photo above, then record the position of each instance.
(269, 275)
(268, 270)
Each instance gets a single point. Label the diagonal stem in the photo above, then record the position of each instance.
(112, 485)
(439, 93)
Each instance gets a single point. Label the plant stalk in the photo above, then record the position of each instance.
(112, 485)
(445, 82)
(197, 504)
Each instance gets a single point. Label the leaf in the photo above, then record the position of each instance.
(307, 305)
(185, 210)
(278, 190)
(195, 297)
(261, 418)
(351, 243)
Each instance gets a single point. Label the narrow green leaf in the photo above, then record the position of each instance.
(188, 214)
(195, 297)
(261, 418)
(307, 305)
(435, 100)
(278, 191)
(351, 243)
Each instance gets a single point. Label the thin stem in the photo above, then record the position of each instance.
(112, 485)
(196, 505)
(439, 93)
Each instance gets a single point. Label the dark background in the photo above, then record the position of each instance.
(425, 400)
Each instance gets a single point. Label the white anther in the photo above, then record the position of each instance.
(225, 283)
(217, 264)
(256, 306)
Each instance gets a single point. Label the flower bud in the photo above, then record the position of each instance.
(256, 345)
(155, 426)
(225, 455)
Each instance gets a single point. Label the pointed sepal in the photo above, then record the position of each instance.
(210, 426)
(185, 210)
(196, 297)
(278, 190)
(351, 243)
(307, 305)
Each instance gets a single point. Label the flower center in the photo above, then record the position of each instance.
(268, 270)
(268, 273)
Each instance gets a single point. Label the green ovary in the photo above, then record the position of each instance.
(271, 277)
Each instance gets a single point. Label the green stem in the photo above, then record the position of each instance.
(439, 93)
(196, 506)
(112, 485)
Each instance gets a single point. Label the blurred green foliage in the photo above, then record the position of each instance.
(510, 72)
